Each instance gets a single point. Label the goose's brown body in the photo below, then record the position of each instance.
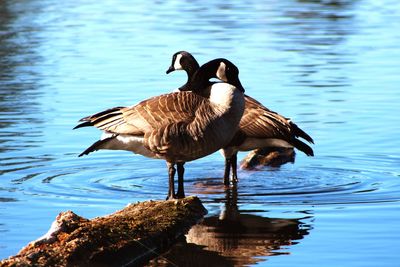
(178, 127)
(260, 123)
(259, 127)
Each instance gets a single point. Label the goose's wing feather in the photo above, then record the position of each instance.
(184, 140)
(146, 116)
(259, 121)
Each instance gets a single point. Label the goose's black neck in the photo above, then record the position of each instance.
(200, 81)
(190, 69)
(219, 68)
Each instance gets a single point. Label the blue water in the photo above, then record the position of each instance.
(331, 66)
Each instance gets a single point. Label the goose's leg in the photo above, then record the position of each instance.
(234, 168)
(171, 175)
(230, 158)
(227, 170)
(181, 171)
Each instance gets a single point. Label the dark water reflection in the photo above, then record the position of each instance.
(235, 238)
(20, 81)
(332, 66)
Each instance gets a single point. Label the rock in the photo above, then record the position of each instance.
(131, 236)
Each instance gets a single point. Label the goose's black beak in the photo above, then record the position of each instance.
(170, 69)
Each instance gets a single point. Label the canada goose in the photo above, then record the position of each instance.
(177, 127)
(259, 126)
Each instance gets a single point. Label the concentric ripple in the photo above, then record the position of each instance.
(352, 180)
(101, 184)
(97, 179)
(344, 181)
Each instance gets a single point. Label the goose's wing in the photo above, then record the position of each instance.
(259, 121)
(146, 116)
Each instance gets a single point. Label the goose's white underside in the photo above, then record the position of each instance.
(135, 145)
(254, 143)
(127, 142)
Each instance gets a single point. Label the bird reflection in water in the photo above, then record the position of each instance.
(233, 238)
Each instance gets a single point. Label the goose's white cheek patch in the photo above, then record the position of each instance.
(177, 63)
(221, 73)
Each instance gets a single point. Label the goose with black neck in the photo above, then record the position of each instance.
(259, 127)
(176, 127)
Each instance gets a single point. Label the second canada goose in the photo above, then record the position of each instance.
(259, 127)
(177, 127)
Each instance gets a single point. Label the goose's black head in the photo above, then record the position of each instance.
(221, 69)
(183, 60)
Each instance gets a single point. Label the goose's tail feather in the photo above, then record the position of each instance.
(300, 133)
(96, 146)
(99, 117)
(300, 145)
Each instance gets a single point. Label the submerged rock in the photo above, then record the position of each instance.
(273, 156)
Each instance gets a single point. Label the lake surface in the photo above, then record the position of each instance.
(331, 66)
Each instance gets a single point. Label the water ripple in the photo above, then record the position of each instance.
(290, 185)
(312, 185)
